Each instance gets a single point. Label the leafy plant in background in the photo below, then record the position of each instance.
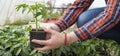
(51, 10)
(14, 42)
(95, 47)
(37, 10)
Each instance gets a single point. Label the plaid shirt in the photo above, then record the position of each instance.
(103, 22)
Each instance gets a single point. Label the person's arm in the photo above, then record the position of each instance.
(103, 22)
(71, 13)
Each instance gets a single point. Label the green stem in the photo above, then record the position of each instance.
(36, 22)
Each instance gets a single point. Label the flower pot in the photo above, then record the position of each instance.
(39, 35)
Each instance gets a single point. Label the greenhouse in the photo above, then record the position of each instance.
(59, 28)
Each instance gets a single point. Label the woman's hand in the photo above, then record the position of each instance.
(50, 26)
(56, 40)
(47, 25)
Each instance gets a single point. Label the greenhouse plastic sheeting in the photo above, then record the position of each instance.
(7, 10)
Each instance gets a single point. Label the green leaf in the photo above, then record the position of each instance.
(33, 52)
(1, 52)
(92, 48)
(87, 50)
(39, 54)
(21, 6)
(29, 10)
(5, 41)
(25, 51)
(7, 54)
(8, 45)
(37, 14)
(23, 10)
(1, 48)
(15, 46)
(32, 7)
(97, 55)
(18, 52)
(57, 52)
(29, 28)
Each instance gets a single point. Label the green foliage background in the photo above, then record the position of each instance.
(14, 42)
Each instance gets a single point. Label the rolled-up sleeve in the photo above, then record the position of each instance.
(103, 22)
(71, 13)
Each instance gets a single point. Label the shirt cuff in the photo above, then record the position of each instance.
(78, 36)
(62, 26)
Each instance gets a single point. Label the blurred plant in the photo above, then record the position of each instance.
(14, 42)
(37, 10)
(20, 22)
(51, 10)
(96, 47)
(7, 22)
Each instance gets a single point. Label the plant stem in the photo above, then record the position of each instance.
(36, 22)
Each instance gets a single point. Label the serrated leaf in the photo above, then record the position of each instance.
(21, 6)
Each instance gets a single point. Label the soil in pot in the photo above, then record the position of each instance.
(40, 35)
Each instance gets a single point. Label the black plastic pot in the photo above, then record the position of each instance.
(40, 35)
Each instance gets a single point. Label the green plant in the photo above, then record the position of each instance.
(37, 10)
(14, 42)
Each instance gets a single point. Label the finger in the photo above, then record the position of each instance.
(44, 48)
(48, 36)
(47, 29)
(44, 25)
(41, 42)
